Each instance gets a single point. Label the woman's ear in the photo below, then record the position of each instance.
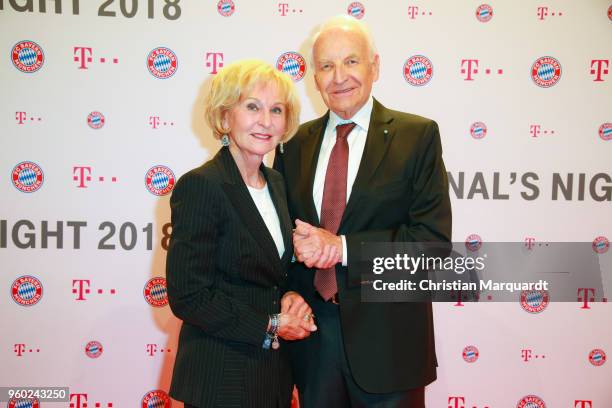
(225, 121)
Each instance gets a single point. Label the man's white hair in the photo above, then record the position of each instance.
(344, 21)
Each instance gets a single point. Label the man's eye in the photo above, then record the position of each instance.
(353, 62)
(325, 67)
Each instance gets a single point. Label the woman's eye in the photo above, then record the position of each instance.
(277, 110)
(252, 107)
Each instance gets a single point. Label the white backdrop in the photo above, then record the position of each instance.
(112, 226)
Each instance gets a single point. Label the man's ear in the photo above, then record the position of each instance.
(316, 82)
(376, 67)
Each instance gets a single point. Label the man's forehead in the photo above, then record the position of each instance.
(339, 41)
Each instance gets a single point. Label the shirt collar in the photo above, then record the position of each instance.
(361, 118)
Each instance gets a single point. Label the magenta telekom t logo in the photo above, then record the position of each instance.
(469, 67)
(526, 354)
(23, 117)
(586, 295)
(214, 61)
(19, 349)
(544, 11)
(83, 56)
(599, 67)
(80, 401)
(413, 11)
(283, 8)
(80, 287)
(456, 402)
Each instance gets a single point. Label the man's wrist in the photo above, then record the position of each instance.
(343, 251)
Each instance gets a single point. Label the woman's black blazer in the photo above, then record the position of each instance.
(224, 278)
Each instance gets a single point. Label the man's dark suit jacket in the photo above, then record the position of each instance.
(400, 194)
(224, 278)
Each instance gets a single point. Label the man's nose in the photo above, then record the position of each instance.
(339, 74)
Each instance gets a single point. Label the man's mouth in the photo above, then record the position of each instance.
(343, 91)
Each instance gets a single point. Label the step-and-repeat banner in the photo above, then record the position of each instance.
(102, 112)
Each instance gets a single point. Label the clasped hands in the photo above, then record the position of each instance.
(317, 248)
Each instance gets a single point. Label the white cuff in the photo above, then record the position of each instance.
(344, 251)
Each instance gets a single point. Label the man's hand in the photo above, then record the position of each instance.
(316, 247)
(296, 320)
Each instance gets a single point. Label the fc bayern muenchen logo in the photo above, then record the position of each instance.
(610, 13)
(356, 9)
(95, 120)
(470, 354)
(605, 131)
(155, 292)
(473, 242)
(534, 301)
(162, 62)
(292, 64)
(478, 130)
(418, 70)
(27, 176)
(226, 7)
(601, 245)
(597, 357)
(159, 180)
(23, 403)
(531, 401)
(27, 56)
(484, 13)
(156, 399)
(93, 349)
(26, 290)
(546, 72)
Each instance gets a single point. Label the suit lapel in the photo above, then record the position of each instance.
(380, 134)
(238, 194)
(309, 157)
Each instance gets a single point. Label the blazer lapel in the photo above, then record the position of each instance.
(237, 192)
(309, 158)
(380, 134)
(279, 198)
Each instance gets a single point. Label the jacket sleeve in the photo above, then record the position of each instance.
(429, 206)
(191, 266)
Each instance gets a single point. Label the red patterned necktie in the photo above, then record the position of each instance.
(333, 204)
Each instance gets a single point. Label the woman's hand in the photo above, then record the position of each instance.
(293, 327)
(296, 317)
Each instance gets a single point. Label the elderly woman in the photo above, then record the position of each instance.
(230, 250)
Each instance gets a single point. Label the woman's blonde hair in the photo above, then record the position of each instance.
(236, 80)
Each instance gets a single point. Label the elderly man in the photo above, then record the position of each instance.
(361, 173)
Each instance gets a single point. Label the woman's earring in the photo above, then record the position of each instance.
(282, 147)
(225, 140)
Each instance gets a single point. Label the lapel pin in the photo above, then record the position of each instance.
(385, 131)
